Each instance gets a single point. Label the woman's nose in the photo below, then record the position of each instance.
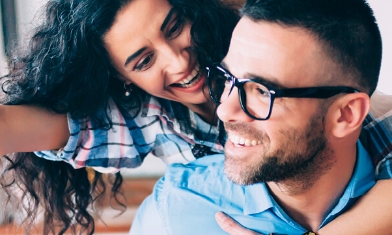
(177, 59)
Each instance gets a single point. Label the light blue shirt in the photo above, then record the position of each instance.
(186, 199)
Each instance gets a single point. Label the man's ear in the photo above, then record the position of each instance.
(346, 114)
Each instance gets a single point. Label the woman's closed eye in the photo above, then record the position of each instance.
(145, 62)
(175, 27)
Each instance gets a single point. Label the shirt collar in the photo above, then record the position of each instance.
(257, 199)
(363, 178)
(361, 181)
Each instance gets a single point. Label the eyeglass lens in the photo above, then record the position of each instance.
(255, 98)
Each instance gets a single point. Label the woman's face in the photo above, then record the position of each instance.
(150, 46)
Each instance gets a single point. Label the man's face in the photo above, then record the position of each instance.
(291, 144)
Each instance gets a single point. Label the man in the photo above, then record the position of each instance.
(297, 81)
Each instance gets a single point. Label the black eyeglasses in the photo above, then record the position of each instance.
(256, 97)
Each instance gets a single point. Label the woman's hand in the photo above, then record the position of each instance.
(230, 226)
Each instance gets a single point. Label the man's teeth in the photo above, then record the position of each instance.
(237, 140)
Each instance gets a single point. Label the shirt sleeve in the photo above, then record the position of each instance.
(106, 150)
(148, 219)
(376, 136)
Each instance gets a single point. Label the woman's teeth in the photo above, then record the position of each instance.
(237, 140)
(190, 80)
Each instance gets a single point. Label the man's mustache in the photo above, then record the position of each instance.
(246, 131)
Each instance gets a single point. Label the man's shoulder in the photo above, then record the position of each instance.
(206, 169)
(189, 195)
(203, 182)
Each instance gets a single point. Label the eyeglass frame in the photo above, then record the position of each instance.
(321, 92)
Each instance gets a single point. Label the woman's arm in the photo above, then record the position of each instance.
(372, 214)
(28, 128)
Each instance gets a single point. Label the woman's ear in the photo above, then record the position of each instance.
(347, 113)
(123, 79)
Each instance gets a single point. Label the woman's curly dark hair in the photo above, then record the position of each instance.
(66, 69)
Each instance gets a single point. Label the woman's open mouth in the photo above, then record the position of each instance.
(192, 79)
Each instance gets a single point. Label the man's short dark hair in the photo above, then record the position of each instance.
(347, 30)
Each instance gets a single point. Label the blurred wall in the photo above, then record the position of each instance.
(2, 51)
(382, 10)
(26, 18)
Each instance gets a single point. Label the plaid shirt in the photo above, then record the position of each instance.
(173, 133)
(164, 128)
(376, 136)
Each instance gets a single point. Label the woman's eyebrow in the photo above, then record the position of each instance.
(138, 52)
(134, 55)
(167, 19)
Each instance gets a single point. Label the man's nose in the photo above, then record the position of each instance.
(230, 109)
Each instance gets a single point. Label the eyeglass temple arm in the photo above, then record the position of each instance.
(316, 92)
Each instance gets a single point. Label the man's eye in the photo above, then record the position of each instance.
(264, 92)
(144, 63)
(227, 80)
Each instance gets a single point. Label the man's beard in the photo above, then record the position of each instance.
(301, 156)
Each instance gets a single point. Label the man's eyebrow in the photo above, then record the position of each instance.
(167, 19)
(273, 82)
(134, 55)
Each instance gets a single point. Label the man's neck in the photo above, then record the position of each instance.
(308, 203)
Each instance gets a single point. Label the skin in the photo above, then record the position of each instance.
(306, 199)
(165, 59)
(286, 122)
(362, 220)
(157, 50)
(34, 129)
(52, 132)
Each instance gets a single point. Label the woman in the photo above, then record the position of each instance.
(79, 62)
(57, 74)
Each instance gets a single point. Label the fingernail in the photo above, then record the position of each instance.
(220, 216)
